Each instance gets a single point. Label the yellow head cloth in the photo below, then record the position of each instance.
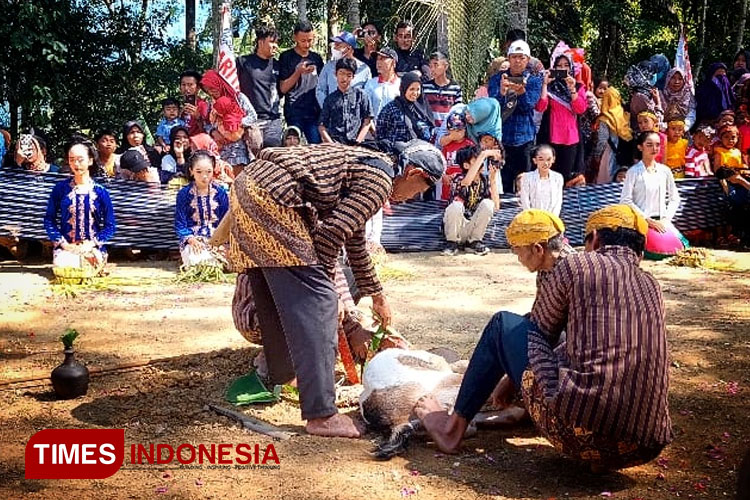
(533, 226)
(676, 122)
(616, 216)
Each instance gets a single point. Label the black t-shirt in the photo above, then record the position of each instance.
(359, 53)
(300, 101)
(410, 60)
(259, 82)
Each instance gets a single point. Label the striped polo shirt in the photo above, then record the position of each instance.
(441, 99)
(612, 376)
(336, 189)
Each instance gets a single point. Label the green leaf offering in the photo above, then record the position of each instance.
(68, 337)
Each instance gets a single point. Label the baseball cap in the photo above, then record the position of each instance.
(133, 160)
(519, 47)
(347, 38)
(388, 52)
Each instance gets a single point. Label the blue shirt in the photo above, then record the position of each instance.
(199, 215)
(165, 126)
(79, 213)
(518, 128)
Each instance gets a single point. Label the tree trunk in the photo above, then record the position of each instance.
(216, 27)
(331, 24)
(701, 39)
(13, 108)
(190, 23)
(741, 25)
(352, 14)
(302, 10)
(518, 14)
(442, 33)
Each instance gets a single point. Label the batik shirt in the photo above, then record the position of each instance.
(613, 377)
(198, 215)
(470, 195)
(79, 213)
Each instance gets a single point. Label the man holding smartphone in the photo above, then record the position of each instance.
(194, 109)
(299, 68)
(518, 92)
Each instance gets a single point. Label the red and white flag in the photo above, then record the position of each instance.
(226, 64)
(682, 59)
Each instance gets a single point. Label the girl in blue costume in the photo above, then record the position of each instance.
(200, 207)
(80, 218)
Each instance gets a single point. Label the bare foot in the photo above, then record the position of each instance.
(509, 416)
(446, 430)
(337, 425)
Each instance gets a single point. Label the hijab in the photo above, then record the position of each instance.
(230, 113)
(414, 112)
(126, 129)
(173, 136)
(721, 82)
(614, 115)
(676, 104)
(487, 119)
(640, 78)
(558, 89)
(212, 80)
(30, 149)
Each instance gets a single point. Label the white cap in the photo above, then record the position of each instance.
(519, 47)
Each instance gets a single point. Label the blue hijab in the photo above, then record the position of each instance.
(488, 119)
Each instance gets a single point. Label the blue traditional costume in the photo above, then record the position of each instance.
(198, 216)
(85, 216)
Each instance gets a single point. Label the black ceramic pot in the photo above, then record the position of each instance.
(71, 378)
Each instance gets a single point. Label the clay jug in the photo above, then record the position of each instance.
(71, 378)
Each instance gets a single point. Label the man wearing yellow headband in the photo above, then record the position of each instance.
(536, 237)
(603, 399)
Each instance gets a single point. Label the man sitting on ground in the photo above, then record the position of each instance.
(603, 399)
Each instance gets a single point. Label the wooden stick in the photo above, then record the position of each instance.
(252, 423)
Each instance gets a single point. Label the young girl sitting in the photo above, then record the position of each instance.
(697, 160)
(650, 189)
(200, 207)
(226, 116)
(542, 188)
(676, 148)
(734, 174)
(648, 122)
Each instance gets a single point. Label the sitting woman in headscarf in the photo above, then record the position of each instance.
(714, 95)
(677, 99)
(31, 154)
(611, 127)
(214, 85)
(484, 117)
(79, 218)
(133, 137)
(408, 116)
(644, 96)
(562, 101)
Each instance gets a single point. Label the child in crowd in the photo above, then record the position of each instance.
(734, 175)
(135, 166)
(456, 140)
(200, 207)
(676, 148)
(489, 142)
(648, 122)
(106, 144)
(475, 199)
(620, 174)
(542, 188)
(697, 159)
(170, 110)
(743, 126)
(226, 117)
(347, 112)
(292, 136)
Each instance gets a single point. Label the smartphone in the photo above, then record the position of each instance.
(190, 99)
(560, 74)
(518, 80)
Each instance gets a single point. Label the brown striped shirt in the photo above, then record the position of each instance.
(336, 191)
(612, 377)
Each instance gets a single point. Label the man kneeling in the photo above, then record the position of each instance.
(603, 398)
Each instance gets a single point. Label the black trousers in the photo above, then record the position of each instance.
(517, 161)
(297, 311)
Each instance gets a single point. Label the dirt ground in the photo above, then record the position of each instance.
(437, 301)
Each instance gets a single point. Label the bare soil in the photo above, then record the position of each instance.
(437, 301)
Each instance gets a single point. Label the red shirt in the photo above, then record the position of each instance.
(194, 126)
(449, 152)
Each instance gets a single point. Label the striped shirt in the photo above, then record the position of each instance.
(441, 99)
(612, 378)
(336, 192)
